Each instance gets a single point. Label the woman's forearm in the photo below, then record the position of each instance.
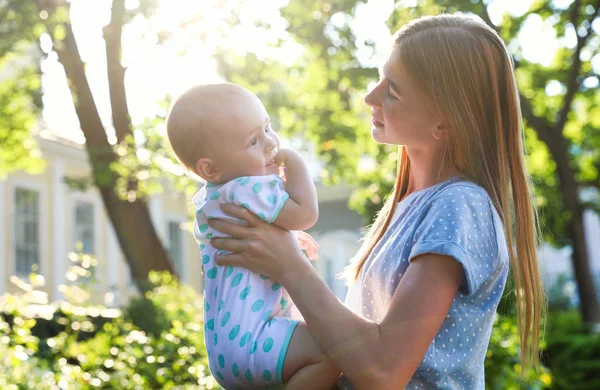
(349, 340)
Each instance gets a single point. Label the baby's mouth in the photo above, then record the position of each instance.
(272, 161)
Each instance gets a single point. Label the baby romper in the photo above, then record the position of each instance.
(248, 317)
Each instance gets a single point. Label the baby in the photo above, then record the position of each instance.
(223, 134)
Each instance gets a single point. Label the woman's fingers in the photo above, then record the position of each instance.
(241, 212)
(230, 228)
(228, 244)
(232, 245)
(234, 259)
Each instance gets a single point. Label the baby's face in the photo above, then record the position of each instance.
(247, 143)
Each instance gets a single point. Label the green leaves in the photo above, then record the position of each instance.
(319, 97)
(156, 342)
(19, 97)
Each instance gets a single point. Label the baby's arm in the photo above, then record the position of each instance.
(301, 210)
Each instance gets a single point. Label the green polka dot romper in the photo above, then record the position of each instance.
(248, 317)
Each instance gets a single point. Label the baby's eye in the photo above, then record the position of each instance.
(253, 142)
(268, 128)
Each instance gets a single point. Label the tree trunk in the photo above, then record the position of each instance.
(137, 237)
(552, 136)
(589, 304)
(590, 307)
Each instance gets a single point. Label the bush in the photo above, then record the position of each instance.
(503, 363)
(156, 342)
(573, 352)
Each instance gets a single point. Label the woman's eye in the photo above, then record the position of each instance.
(391, 95)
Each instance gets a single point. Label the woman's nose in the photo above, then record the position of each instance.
(371, 99)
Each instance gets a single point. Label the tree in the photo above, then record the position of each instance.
(19, 95)
(127, 210)
(320, 95)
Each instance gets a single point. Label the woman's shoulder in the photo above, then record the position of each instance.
(461, 192)
(459, 203)
(461, 186)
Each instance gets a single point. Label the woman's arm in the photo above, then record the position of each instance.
(372, 355)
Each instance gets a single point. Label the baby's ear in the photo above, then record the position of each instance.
(207, 170)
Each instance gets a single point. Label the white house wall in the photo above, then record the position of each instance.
(337, 246)
(59, 210)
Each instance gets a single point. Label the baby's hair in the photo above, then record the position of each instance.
(191, 120)
(185, 126)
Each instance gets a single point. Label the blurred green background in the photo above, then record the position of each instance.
(102, 73)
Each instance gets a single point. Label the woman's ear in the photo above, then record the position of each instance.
(439, 133)
(208, 170)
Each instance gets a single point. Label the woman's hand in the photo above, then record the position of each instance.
(260, 247)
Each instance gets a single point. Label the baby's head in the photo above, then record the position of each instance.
(222, 131)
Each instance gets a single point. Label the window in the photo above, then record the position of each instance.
(84, 227)
(176, 245)
(27, 225)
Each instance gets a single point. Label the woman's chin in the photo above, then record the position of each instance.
(378, 135)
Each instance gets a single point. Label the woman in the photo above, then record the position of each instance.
(432, 269)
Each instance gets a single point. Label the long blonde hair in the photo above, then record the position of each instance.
(464, 67)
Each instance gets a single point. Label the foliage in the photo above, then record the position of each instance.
(66, 344)
(123, 182)
(320, 95)
(572, 352)
(157, 342)
(20, 95)
(503, 364)
(20, 98)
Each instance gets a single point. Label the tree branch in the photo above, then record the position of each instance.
(540, 125)
(85, 107)
(590, 183)
(485, 15)
(116, 73)
(573, 81)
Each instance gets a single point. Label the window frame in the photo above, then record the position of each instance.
(177, 219)
(16, 184)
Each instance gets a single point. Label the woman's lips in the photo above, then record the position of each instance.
(376, 123)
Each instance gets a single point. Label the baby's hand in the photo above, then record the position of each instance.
(308, 244)
(281, 156)
(281, 159)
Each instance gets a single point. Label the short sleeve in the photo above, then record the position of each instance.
(460, 223)
(263, 195)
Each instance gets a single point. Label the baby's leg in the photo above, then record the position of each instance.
(305, 365)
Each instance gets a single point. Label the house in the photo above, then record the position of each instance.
(42, 219)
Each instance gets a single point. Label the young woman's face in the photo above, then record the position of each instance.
(402, 114)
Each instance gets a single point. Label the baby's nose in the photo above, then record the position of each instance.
(271, 144)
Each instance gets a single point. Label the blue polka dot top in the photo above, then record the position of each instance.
(454, 218)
